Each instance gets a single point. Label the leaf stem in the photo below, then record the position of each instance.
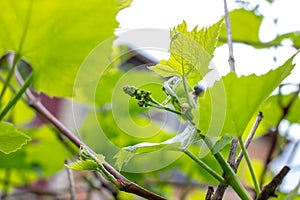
(10, 74)
(255, 181)
(205, 166)
(184, 82)
(229, 175)
(167, 109)
(249, 138)
(17, 96)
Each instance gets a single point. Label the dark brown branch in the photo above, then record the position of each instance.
(209, 193)
(127, 185)
(270, 189)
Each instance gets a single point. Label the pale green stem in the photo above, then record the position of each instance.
(205, 166)
(10, 74)
(229, 175)
(186, 91)
(167, 109)
(244, 150)
(17, 96)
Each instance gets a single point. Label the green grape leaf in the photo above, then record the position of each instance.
(124, 4)
(230, 110)
(220, 144)
(191, 52)
(244, 27)
(293, 36)
(83, 165)
(55, 37)
(179, 142)
(11, 139)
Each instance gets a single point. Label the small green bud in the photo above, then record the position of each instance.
(130, 90)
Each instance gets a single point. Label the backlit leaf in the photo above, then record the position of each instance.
(83, 165)
(191, 52)
(55, 37)
(242, 95)
(10, 138)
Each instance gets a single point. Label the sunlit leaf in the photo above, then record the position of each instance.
(11, 139)
(191, 52)
(55, 37)
(243, 95)
(83, 165)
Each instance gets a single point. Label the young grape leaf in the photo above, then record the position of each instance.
(55, 37)
(245, 26)
(221, 143)
(243, 96)
(177, 143)
(11, 139)
(191, 52)
(83, 165)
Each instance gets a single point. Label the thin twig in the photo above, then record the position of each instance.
(249, 138)
(127, 185)
(229, 174)
(232, 154)
(229, 38)
(209, 193)
(71, 181)
(270, 189)
(218, 195)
